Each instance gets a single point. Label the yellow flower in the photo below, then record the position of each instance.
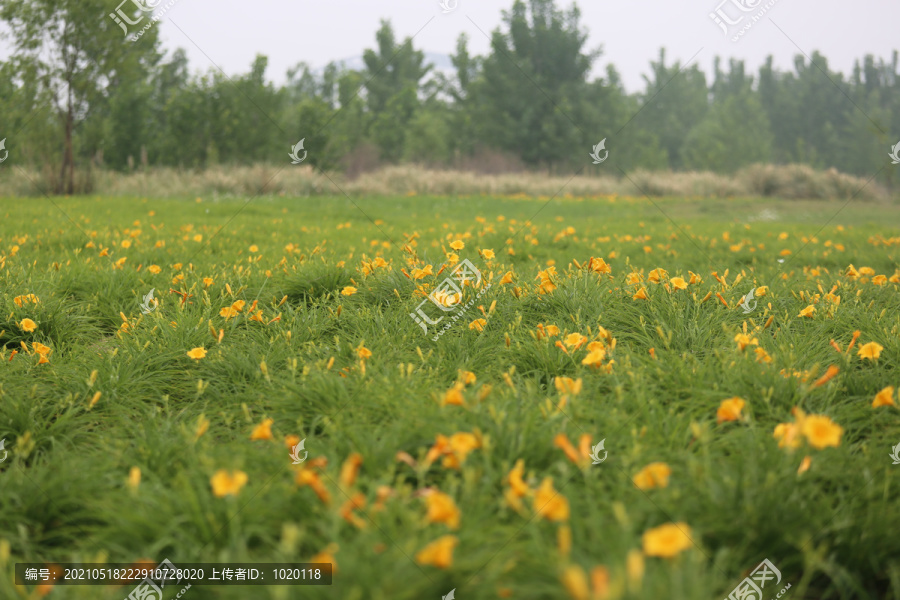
(458, 245)
(549, 503)
(40, 349)
(442, 509)
(478, 324)
(884, 398)
(821, 432)
(454, 395)
(350, 469)
(667, 540)
(514, 478)
(872, 350)
(291, 440)
(134, 478)
(363, 352)
(155, 269)
(804, 465)
(652, 476)
(327, 556)
(348, 291)
(743, 340)
(438, 553)
(507, 278)
(454, 449)
(567, 385)
(467, 377)
(788, 435)
(640, 295)
(487, 254)
(594, 357)
(197, 353)
(575, 340)
(729, 410)
(678, 283)
(576, 583)
(808, 311)
(254, 248)
(226, 483)
(657, 274)
(27, 325)
(263, 431)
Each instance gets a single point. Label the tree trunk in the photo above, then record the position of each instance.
(69, 158)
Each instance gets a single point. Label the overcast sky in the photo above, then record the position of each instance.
(230, 33)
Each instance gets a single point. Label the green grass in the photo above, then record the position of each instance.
(64, 493)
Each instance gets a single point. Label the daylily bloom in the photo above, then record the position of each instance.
(884, 398)
(226, 483)
(730, 410)
(348, 291)
(478, 324)
(27, 325)
(678, 283)
(640, 295)
(549, 503)
(872, 350)
(743, 340)
(458, 245)
(567, 385)
(442, 509)
(263, 431)
(197, 353)
(808, 311)
(438, 553)
(667, 540)
(821, 432)
(654, 475)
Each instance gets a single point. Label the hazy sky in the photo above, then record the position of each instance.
(230, 33)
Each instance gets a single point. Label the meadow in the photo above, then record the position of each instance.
(462, 463)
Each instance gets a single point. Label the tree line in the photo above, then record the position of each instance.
(74, 93)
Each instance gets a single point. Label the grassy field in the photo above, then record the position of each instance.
(462, 462)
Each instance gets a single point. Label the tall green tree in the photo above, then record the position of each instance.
(79, 58)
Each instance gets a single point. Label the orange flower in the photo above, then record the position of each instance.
(458, 245)
(562, 442)
(454, 396)
(729, 410)
(507, 278)
(478, 324)
(263, 431)
(27, 325)
(872, 350)
(549, 503)
(291, 440)
(197, 353)
(514, 478)
(226, 483)
(309, 477)
(350, 469)
(884, 398)
(348, 291)
(828, 376)
(788, 435)
(442, 509)
(657, 274)
(821, 432)
(487, 254)
(640, 295)
(654, 475)
(363, 352)
(678, 283)
(594, 357)
(808, 311)
(454, 449)
(575, 340)
(804, 465)
(567, 385)
(743, 340)
(438, 553)
(667, 540)
(327, 556)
